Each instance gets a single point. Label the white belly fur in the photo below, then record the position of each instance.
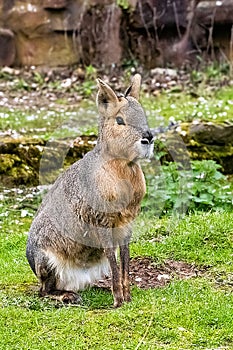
(76, 278)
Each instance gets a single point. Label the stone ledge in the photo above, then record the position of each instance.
(208, 140)
(33, 161)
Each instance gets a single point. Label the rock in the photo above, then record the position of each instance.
(164, 71)
(41, 37)
(32, 21)
(111, 47)
(221, 12)
(33, 161)
(7, 162)
(207, 140)
(210, 133)
(64, 21)
(10, 71)
(107, 32)
(155, 13)
(103, 44)
(90, 3)
(216, 16)
(8, 50)
(55, 49)
(55, 4)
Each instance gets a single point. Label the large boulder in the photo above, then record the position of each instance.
(26, 161)
(41, 38)
(7, 45)
(218, 12)
(208, 140)
(54, 49)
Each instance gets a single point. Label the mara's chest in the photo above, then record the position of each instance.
(121, 186)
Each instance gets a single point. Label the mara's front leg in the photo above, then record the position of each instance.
(116, 280)
(124, 268)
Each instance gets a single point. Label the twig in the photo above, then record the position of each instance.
(177, 20)
(231, 53)
(210, 37)
(146, 332)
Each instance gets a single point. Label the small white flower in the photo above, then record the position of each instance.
(24, 213)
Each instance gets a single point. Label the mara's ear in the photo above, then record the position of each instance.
(106, 97)
(134, 89)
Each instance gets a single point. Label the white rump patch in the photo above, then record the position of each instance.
(74, 278)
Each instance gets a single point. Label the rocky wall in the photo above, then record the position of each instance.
(110, 32)
(25, 161)
(33, 161)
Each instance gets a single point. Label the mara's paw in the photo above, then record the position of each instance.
(70, 298)
(118, 302)
(126, 293)
(64, 296)
(127, 297)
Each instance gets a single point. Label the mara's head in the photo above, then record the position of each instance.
(123, 128)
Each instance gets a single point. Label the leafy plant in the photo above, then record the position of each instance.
(123, 3)
(91, 72)
(213, 74)
(202, 187)
(22, 84)
(88, 87)
(38, 78)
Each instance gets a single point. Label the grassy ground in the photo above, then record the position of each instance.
(62, 118)
(183, 106)
(190, 314)
(58, 122)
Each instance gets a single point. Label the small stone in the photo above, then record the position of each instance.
(138, 279)
(55, 4)
(163, 277)
(164, 71)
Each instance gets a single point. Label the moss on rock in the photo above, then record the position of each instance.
(208, 140)
(31, 161)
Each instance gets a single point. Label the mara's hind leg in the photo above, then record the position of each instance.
(124, 268)
(49, 282)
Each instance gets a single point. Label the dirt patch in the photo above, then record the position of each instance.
(145, 273)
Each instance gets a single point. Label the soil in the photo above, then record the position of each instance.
(145, 273)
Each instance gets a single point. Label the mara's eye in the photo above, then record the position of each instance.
(120, 121)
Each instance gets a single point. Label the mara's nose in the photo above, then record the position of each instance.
(147, 138)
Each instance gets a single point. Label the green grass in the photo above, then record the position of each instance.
(190, 314)
(64, 120)
(57, 122)
(203, 238)
(207, 105)
(183, 315)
